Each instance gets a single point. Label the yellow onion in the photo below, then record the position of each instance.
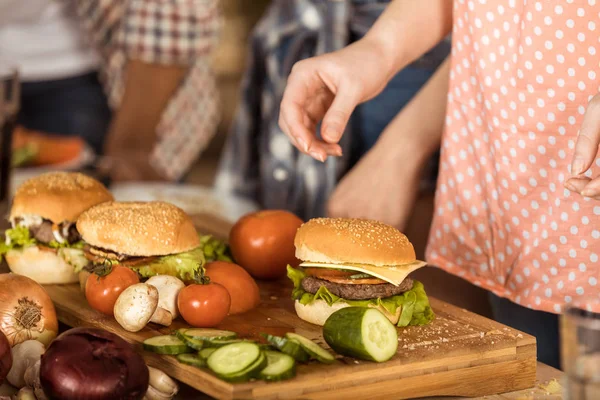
(26, 311)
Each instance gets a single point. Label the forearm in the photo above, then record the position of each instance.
(408, 29)
(132, 137)
(420, 124)
(148, 90)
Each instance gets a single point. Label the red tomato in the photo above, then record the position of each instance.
(102, 292)
(263, 243)
(204, 306)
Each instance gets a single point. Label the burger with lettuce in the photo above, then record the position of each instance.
(43, 242)
(359, 263)
(151, 238)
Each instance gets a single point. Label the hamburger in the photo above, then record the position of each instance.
(152, 238)
(359, 263)
(43, 242)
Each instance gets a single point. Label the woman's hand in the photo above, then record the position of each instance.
(327, 88)
(385, 183)
(586, 151)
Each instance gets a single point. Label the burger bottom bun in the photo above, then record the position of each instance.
(44, 267)
(317, 311)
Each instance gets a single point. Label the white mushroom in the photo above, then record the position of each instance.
(135, 306)
(168, 289)
(24, 355)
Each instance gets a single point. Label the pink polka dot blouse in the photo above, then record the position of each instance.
(522, 74)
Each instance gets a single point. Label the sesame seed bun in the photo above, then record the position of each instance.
(352, 241)
(58, 196)
(138, 228)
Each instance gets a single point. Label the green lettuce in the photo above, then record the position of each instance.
(16, 238)
(214, 249)
(182, 265)
(57, 245)
(411, 307)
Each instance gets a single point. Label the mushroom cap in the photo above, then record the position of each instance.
(168, 289)
(135, 306)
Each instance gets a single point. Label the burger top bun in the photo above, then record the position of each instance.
(352, 241)
(58, 196)
(138, 228)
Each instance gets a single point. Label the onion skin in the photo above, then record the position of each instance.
(92, 364)
(26, 311)
(5, 357)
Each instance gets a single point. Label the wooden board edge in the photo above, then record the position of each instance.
(473, 382)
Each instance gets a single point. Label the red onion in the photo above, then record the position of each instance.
(92, 364)
(5, 357)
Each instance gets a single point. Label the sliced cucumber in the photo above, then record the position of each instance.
(289, 347)
(251, 372)
(225, 342)
(193, 343)
(205, 353)
(314, 350)
(361, 332)
(233, 358)
(209, 334)
(279, 367)
(165, 344)
(191, 359)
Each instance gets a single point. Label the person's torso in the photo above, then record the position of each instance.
(522, 75)
(43, 40)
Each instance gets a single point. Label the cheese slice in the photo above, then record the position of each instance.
(392, 274)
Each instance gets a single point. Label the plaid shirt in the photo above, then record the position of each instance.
(169, 32)
(259, 162)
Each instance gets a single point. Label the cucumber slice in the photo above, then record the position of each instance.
(209, 334)
(251, 372)
(191, 359)
(191, 342)
(233, 358)
(314, 350)
(363, 333)
(205, 353)
(289, 347)
(279, 367)
(165, 344)
(224, 342)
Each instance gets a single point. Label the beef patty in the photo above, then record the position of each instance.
(356, 292)
(43, 232)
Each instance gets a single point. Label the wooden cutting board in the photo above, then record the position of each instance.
(459, 354)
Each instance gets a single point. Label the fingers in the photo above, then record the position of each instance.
(577, 184)
(586, 147)
(337, 116)
(297, 93)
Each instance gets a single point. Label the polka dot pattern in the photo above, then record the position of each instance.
(522, 73)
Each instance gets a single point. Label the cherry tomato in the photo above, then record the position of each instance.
(204, 305)
(102, 292)
(263, 243)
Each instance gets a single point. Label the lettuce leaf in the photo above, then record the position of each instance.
(411, 307)
(16, 238)
(74, 257)
(182, 265)
(214, 249)
(57, 245)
